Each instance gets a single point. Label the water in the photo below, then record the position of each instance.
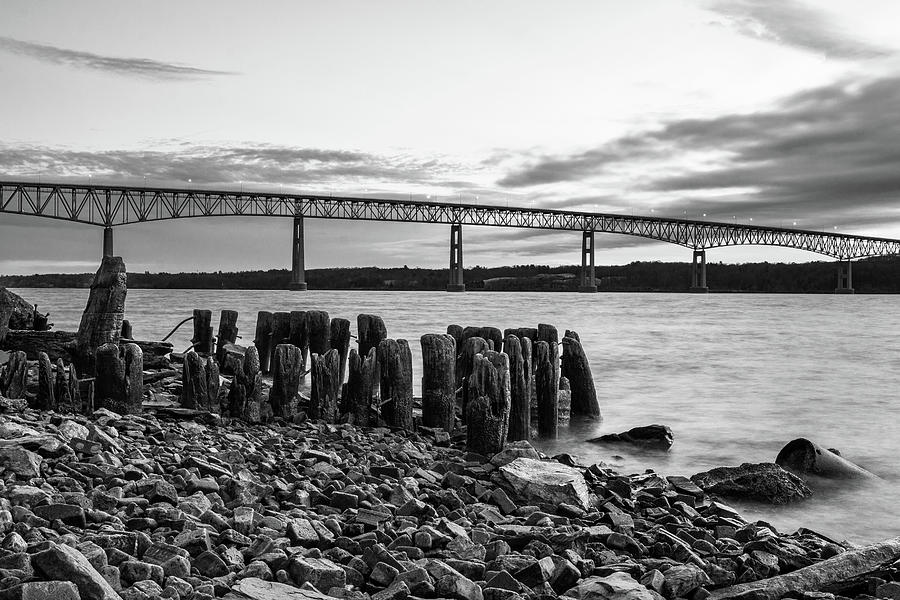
(735, 376)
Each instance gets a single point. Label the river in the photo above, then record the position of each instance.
(736, 376)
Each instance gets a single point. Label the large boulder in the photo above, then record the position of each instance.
(59, 562)
(21, 313)
(648, 436)
(617, 586)
(765, 482)
(546, 482)
(804, 457)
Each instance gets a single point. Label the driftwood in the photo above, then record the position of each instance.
(101, 321)
(263, 339)
(319, 331)
(45, 400)
(15, 376)
(228, 332)
(286, 370)
(819, 576)
(395, 368)
(339, 339)
(438, 380)
(465, 363)
(520, 397)
(361, 382)
(491, 334)
(370, 330)
(487, 415)
(202, 341)
(576, 369)
(61, 344)
(326, 388)
(546, 390)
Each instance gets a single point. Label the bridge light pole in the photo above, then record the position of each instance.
(456, 284)
(588, 275)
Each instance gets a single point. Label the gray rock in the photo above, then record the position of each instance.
(257, 589)
(41, 590)
(765, 482)
(20, 461)
(617, 586)
(68, 564)
(546, 482)
(647, 436)
(681, 580)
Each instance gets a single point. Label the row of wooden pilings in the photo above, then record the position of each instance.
(508, 385)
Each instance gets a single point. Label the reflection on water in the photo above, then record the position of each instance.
(735, 376)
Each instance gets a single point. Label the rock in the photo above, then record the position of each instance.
(546, 482)
(69, 514)
(20, 461)
(41, 590)
(320, 572)
(648, 436)
(803, 457)
(514, 450)
(257, 589)
(681, 580)
(450, 583)
(21, 312)
(765, 482)
(67, 564)
(617, 586)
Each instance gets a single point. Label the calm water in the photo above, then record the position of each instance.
(735, 376)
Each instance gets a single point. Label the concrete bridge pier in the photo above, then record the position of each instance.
(107, 242)
(698, 272)
(298, 264)
(588, 275)
(845, 277)
(456, 283)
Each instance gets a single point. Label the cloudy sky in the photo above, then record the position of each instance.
(781, 111)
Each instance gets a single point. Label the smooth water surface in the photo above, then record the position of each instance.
(736, 376)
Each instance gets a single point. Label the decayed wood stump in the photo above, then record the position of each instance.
(245, 394)
(546, 391)
(281, 329)
(456, 332)
(101, 322)
(75, 399)
(487, 414)
(339, 339)
(520, 397)
(61, 388)
(228, 332)
(299, 337)
(326, 388)
(361, 383)
(45, 399)
(317, 324)
(15, 376)
(127, 331)
(109, 382)
(370, 330)
(438, 380)
(465, 363)
(563, 402)
(549, 334)
(202, 341)
(212, 384)
(134, 379)
(521, 332)
(395, 367)
(5, 314)
(491, 334)
(576, 369)
(263, 340)
(286, 370)
(193, 382)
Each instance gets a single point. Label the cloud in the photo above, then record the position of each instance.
(794, 24)
(828, 154)
(132, 67)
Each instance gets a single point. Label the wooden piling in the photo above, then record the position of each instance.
(127, 331)
(45, 400)
(281, 329)
(520, 398)
(75, 390)
(101, 321)
(300, 338)
(194, 393)
(563, 402)
(370, 330)
(395, 368)
(465, 363)
(456, 332)
(245, 395)
(546, 391)
(487, 414)
(438, 381)
(109, 384)
(134, 379)
(212, 385)
(325, 390)
(286, 369)
(576, 369)
(361, 382)
(61, 388)
(15, 376)
(317, 322)
(339, 339)
(5, 315)
(202, 341)
(263, 340)
(491, 334)
(228, 332)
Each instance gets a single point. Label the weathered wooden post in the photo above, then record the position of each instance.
(491, 334)
(193, 382)
(202, 341)
(281, 329)
(546, 390)
(563, 402)
(16, 375)
(325, 389)
(465, 363)
(438, 380)
(300, 338)
(75, 390)
(395, 366)
(5, 314)
(360, 386)
(456, 332)
(286, 369)
(245, 395)
(263, 340)
(61, 388)
(109, 387)
(134, 379)
(487, 414)
(228, 332)
(212, 384)
(127, 331)
(370, 330)
(45, 399)
(520, 399)
(576, 369)
(339, 339)
(101, 322)
(549, 334)
(317, 323)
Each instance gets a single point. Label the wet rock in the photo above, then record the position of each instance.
(765, 482)
(616, 586)
(546, 482)
(804, 457)
(648, 436)
(67, 564)
(681, 580)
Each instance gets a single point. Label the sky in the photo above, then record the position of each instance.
(781, 112)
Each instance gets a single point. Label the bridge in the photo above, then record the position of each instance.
(109, 206)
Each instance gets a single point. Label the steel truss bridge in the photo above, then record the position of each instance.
(109, 206)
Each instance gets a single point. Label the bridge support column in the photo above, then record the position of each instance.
(588, 275)
(107, 242)
(298, 265)
(456, 260)
(698, 272)
(845, 277)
